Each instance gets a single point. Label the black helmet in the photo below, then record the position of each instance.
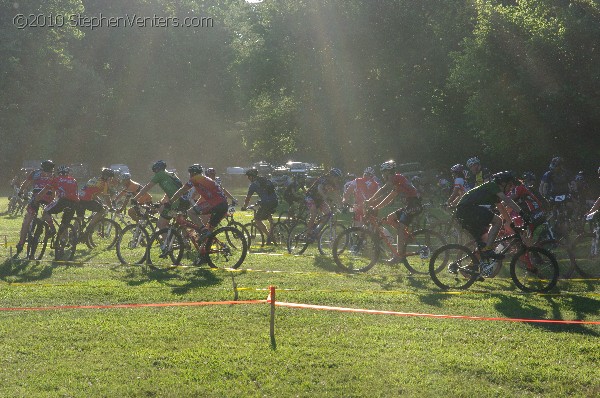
(63, 170)
(107, 173)
(159, 165)
(252, 172)
(47, 166)
(504, 177)
(555, 162)
(210, 171)
(195, 169)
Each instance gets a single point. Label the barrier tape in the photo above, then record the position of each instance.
(146, 305)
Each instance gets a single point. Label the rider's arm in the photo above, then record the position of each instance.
(594, 208)
(145, 189)
(41, 194)
(377, 195)
(509, 202)
(387, 200)
(230, 196)
(180, 193)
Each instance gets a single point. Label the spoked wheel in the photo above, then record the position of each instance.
(419, 247)
(279, 234)
(297, 240)
(37, 239)
(327, 238)
(103, 234)
(165, 249)
(565, 258)
(226, 248)
(132, 244)
(586, 255)
(65, 244)
(241, 227)
(356, 250)
(256, 237)
(452, 266)
(534, 269)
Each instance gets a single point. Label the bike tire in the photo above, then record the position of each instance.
(418, 248)
(328, 236)
(297, 241)
(257, 239)
(131, 244)
(65, 245)
(226, 248)
(586, 255)
(239, 226)
(356, 250)
(171, 241)
(564, 256)
(279, 234)
(103, 234)
(542, 278)
(452, 256)
(37, 239)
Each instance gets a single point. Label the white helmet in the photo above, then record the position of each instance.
(473, 161)
(369, 171)
(389, 165)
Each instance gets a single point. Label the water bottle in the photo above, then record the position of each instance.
(499, 248)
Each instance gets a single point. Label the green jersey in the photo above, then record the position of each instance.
(169, 182)
(485, 194)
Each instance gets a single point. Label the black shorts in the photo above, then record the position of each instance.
(474, 219)
(406, 214)
(217, 212)
(265, 210)
(63, 205)
(91, 205)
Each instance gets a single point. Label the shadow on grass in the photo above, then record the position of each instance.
(326, 264)
(23, 271)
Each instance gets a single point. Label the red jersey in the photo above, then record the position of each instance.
(362, 188)
(404, 186)
(209, 190)
(523, 196)
(93, 188)
(65, 187)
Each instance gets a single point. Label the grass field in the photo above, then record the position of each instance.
(226, 350)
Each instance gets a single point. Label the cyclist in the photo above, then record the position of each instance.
(596, 205)
(474, 214)
(169, 183)
(66, 201)
(36, 181)
(458, 173)
(555, 181)
(360, 189)
(319, 194)
(95, 195)
(212, 174)
(294, 193)
(131, 188)
(580, 191)
(401, 218)
(530, 204)
(528, 179)
(476, 175)
(212, 200)
(268, 201)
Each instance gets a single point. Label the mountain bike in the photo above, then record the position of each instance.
(64, 242)
(133, 239)
(278, 234)
(325, 232)
(102, 234)
(358, 249)
(225, 247)
(457, 267)
(586, 249)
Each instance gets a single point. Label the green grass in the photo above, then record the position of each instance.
(226, 350)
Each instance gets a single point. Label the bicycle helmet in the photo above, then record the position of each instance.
(195, 169)
(369, 171)
(125, 176)
(47, 166)
(63, 170)
(457, 168)
(335, 172)
(528, 176)
(504, 177)
(390, 165)
(555, 162)
(580, 176)
(252, 172)
(473, 161)
(107, 173)
(210, 172)
(159, 165)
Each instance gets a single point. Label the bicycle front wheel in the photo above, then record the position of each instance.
(419, 247)
(65, 244)
(534, 269)
(297, 241)
(226, 248)
(256, 237)
(103, 234)
(356, 250)
(132, 243)
(165, 248)
(451, 267)
(328, 236)
(586, 255)
(37, 239)
(279, 234)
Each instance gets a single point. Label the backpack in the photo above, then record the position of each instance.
(267, 185)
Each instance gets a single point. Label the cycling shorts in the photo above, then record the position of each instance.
(265, 210)
(406, 214)
(217, 212)
(318, 204)
(91, 205)
(474, 219)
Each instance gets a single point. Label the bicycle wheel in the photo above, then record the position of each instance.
(37, 239)
(586, 255)
(297, 240)
(131, 244)
(356, 250)
(240, 227)
(563, 254)
(256, 238)
(65, 244)
(328, 236)
(419, 246)
(165, 249)
(534, 269)
(226, 248)
(279, 234)
(103, 234)
(451, 267)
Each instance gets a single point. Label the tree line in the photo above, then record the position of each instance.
(342, 83)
